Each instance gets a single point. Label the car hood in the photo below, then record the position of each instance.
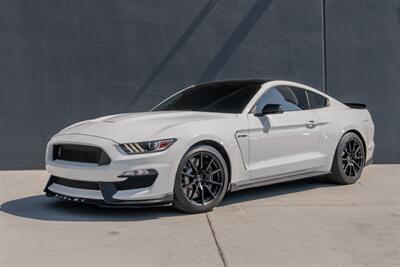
(142, 126)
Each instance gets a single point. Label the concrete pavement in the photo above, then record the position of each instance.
(300, 223)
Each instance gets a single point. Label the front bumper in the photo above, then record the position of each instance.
(101, 194)
(107, 190)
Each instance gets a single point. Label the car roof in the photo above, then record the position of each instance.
(244, 82)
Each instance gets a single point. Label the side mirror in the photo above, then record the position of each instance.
(270, 109)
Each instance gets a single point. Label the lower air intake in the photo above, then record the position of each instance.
(136, 182)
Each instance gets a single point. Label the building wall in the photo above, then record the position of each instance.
(66, 61)
(363, 64)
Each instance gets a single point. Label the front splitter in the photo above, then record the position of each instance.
(159, 202)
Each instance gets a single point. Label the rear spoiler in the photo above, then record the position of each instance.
(356, 105)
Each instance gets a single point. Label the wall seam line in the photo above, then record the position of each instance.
(324, 53)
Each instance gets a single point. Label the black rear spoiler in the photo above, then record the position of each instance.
(356, 105)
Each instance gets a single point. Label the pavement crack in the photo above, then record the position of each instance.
(220, 251)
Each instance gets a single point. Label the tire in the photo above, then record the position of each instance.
(349, 160)
(201, 180)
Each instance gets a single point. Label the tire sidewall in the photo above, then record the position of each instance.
(180, 200)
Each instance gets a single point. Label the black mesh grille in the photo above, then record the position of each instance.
(136, 182)
(80, 153)
(130, 183)
(75, 183)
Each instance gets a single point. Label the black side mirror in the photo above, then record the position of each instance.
(270, 109)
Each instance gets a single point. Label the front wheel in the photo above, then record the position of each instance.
(349, 160)
(201, 180)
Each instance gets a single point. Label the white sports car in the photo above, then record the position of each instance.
(207, 140)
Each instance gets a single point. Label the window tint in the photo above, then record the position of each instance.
(290, 98)
(218, 97)
(316, 100)
(234, 102)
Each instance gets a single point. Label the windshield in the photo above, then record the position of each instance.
(216, 97)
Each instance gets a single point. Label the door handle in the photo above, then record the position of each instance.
(311, 124)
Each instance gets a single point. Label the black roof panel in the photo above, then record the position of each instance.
(243, 81)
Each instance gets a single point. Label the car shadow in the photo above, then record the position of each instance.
(273, 190)
(40, 207)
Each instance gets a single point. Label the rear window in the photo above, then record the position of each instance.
(316, 100)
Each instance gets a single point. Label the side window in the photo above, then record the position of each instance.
(316, 100)
(290, 98)
(300, 97)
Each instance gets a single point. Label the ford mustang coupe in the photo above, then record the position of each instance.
(207, 140)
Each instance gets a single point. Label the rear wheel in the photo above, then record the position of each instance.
(201, 180)
(349, 160)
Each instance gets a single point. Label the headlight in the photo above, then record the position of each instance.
(147, 147)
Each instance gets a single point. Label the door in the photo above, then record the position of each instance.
(284, 143)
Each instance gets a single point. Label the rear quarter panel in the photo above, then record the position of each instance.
(337, 119)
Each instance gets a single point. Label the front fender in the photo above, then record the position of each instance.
(238, 169)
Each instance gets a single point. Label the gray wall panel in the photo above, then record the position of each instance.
(363, 56)
(66, 61)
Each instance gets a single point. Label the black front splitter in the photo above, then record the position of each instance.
(159, 202)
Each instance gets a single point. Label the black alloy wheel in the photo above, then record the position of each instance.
(201, 180)
(349, 160)
(352, 158)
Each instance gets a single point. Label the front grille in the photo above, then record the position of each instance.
(80, 153)
(136, 182)
(75, 183)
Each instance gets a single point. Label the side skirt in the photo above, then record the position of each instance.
(273, 180)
